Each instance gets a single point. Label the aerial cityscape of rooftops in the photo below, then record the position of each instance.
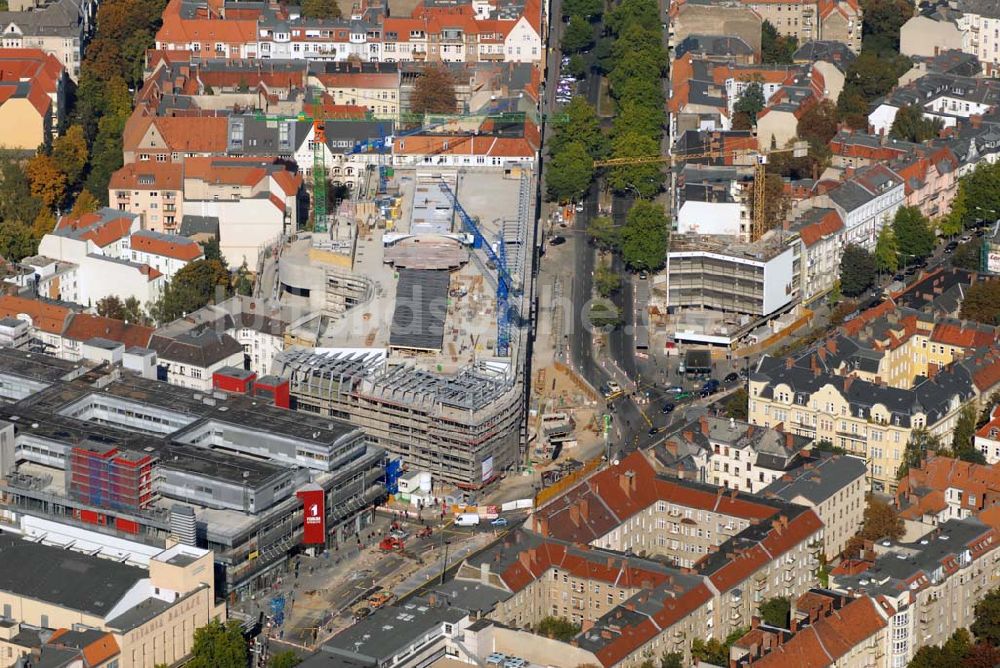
(500, 333)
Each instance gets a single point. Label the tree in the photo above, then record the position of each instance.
(16, 241)
(775, 201)
(577, 66)
(868, 77)
(984, 416)
(751, 102)
(578, 35)
(881, 24)
(857, 271)
(774, 48)
(434, 91)
(951, 655)
(881, 521)
(982, 655)
(192, 287)
(914, 235)
(578, 122)
(48, 183)
(978, 198)
(986, 628)
(604, 315)
(244, 283)
(645, 179)
(129, 310)
(70, 154)
(774, 612)
(85, 203)
(606, 280)
(644, 236)
(558, 628)
(910, 124)
(602, 233)
(968, 255)
(712, 651)
(982, 302)
(286, 659)
(16, 200)
(921, 443)
(570, 173)
(43, 224)
(737, 404)
(886, 251)
(963, 436)
(218, 646)
(819, 125)
(321, 9)
(672, 660)
(588, 9)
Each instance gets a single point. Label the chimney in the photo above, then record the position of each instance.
(688, 436)
(789, 439)
(671, 447)
(525, 559)
(848, 381)
(754, 622)
(703, 421)
(574, 515)
(432, 600)
(584, 509)
(542, 524)
(832, 346)
(623, 482)
(794, 624)
(848, 172)
(789, 362)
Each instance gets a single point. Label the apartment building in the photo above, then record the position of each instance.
(151, 612)
(96, 249)
(866, 200)
(825, 395)
(806, 20)
(948, 98)
(374, 86)
(749, 547)
(944, 488)
(152, 190)
(929, 586)
(60, 29)
(834, 486)
(825, 628)
(33, 88)
(821, 247)
(987, 439)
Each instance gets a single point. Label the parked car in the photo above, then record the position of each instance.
(612, 389)
(966, 238)
(712, 385)
(682, 396)
(655, 430)
(557, 241)
(676, 389)
(668, 407)
(731, 377)
(500, 522)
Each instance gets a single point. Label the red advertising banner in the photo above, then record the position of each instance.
(313, 515)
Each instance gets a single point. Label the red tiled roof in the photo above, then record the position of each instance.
(148, 175)
(828, 638)
(45, 317)
(829, 224)
(970, 336)
(83, 326)
(96, 228)
(178, 248)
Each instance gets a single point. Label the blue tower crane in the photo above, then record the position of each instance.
(505, 283)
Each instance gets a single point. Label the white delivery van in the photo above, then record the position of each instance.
(467, 520)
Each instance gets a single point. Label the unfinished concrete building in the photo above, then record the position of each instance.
(464, 427)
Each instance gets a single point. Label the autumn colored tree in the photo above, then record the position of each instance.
(48, 183)
(43, 224)
(85, 203)
(434, 91)
(982, 302)
(881, 521)
(70, 154)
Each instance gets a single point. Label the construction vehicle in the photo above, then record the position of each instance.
(799, 150)
(380, 599)
(391, 544)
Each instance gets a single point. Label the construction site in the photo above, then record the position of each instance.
(416, 317)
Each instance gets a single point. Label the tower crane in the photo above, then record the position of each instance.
(799, 150)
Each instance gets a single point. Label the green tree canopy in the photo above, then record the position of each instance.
(962, 437)
(321, 9)
(602, 233)
(558, 628)
(286, 659)
(16, 241)
(819, 125)
(751, 102)
(978, 198)
(969, 255)
(129, 310)
(588, 9)
(982, 302)
(881, 24)
(774, 48)
(218, 646)
(910, 124)
(644, 236)
(857, 270)
(194, 286)
(578, 122)
(737, 404)
(570, 173)
(886, 250)
(645, 179)
(921, 443)
(986, 628)
(775, 611)
(578, 35)
(606, 280)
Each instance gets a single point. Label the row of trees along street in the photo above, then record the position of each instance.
(631, 56)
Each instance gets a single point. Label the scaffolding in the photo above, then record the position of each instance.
(105, 477)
